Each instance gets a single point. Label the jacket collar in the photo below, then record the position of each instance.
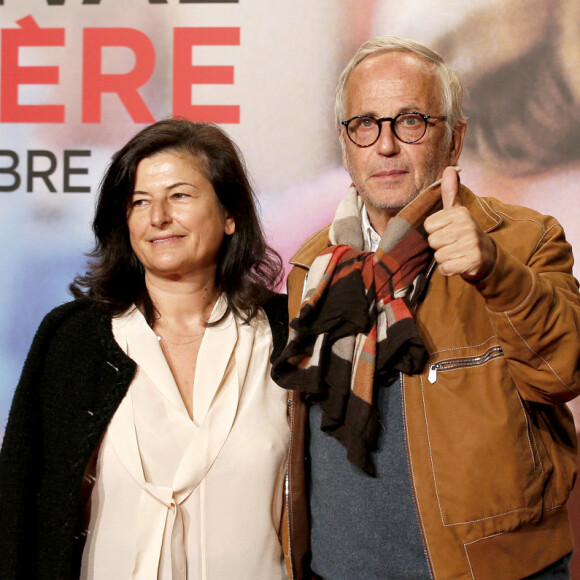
(482, 213)
(311, 248)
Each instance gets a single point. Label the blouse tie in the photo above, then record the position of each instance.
(160, 515)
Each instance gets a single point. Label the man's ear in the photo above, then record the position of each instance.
(343, 148)
(456, 145)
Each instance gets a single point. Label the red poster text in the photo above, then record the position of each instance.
(126, 86)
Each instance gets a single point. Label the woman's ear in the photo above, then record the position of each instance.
(229, 226)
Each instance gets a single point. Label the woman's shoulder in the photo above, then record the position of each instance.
(276, 309)
(77, 319)
(79, 310)
(277, 306)
(79, 332)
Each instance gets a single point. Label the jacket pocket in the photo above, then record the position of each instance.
(465, 362)
(485, 459)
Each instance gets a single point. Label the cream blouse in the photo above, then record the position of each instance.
(177, 498)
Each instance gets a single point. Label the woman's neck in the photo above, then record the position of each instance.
(183, 304)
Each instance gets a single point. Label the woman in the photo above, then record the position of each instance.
(146, 438)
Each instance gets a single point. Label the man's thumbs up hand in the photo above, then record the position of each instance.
(461, 246)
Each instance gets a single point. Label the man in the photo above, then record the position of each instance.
(430, 438)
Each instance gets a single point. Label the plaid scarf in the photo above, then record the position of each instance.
(355, 324)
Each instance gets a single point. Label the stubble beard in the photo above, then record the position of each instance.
(433, 167)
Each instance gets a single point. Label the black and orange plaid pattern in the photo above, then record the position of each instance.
(355, 324)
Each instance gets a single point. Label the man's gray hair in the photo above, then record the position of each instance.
(451, 85)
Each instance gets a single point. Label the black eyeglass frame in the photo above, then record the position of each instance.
(392, 121)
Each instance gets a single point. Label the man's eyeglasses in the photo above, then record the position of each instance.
(364, 130)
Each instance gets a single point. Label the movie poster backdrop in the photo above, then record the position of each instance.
(79, 77)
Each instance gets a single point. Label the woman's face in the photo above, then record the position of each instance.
(176, 225)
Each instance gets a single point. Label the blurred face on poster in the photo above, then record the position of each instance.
(518, 59)
(391, 172)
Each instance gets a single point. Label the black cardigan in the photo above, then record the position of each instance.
(74, 378)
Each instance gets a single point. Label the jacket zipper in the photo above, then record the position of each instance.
(413, 488)
(287, 486)
(457, 363)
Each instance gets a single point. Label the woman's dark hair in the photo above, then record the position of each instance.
(248, 269)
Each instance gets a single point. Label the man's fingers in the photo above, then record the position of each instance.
(450, 188)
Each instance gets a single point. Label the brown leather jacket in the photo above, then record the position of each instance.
(491, 445)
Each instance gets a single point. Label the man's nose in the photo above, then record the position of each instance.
(387, 143)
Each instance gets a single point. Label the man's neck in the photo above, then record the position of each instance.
(370, 234)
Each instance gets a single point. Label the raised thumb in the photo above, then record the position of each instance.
(450, 188)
